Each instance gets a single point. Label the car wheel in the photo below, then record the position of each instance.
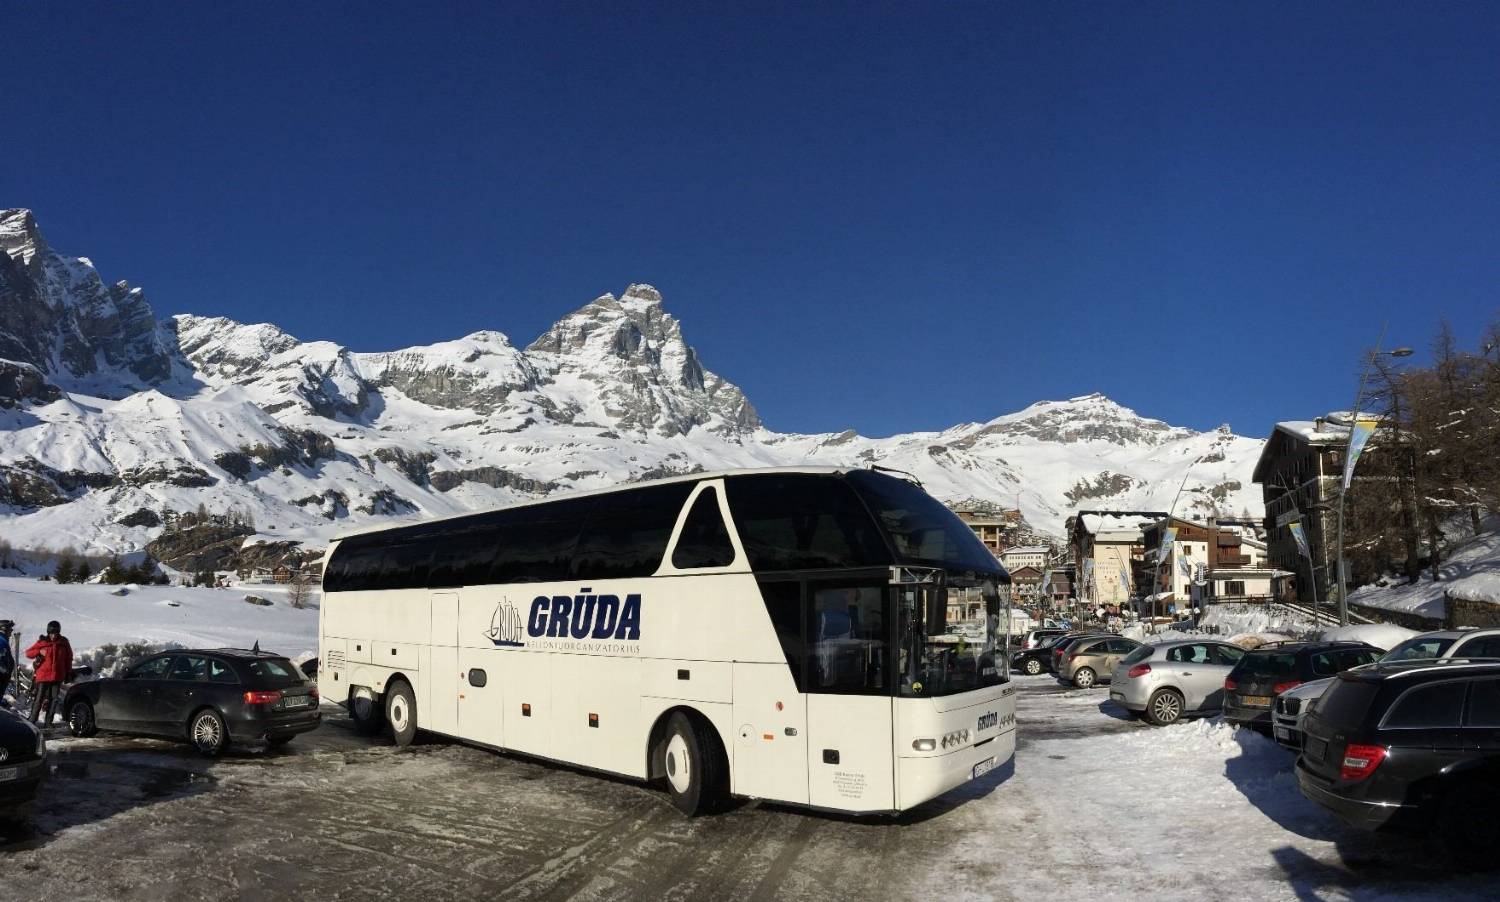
(207, 733)
(1084, 678)
(401, 713)
(1165, 707)
(366, 713)
(81, 719)
(1032, 667)
(1470, 840)
(693, 760)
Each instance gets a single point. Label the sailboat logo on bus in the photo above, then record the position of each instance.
(506, 626)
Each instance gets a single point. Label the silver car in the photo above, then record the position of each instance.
(1166, 682)
(1091, 661)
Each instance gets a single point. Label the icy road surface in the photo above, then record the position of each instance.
(1097, 803)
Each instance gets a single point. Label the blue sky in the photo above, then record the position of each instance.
(885, 217)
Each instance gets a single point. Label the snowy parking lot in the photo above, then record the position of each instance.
(1096, 802)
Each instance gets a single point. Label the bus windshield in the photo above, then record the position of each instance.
(965, 652)
(921, 529)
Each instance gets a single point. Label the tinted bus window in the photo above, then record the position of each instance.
(464, 554)
(799, 521)
(704, 541)
(921, 530)
(783, 600)
(626, 533)
(535, 543)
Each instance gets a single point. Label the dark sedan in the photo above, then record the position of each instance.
(22, 763)
(209, 698)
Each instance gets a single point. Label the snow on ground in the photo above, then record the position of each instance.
(1234, 619)
(1196, 810)
(91, 615)
(1471, 572)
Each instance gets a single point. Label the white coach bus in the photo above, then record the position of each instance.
(776, 634)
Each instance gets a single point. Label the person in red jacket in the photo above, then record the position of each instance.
(54, 664)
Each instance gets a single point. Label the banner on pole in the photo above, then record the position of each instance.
(1364, 427)
(1301, 538)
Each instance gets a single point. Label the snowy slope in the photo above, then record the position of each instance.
(1471, 572)
(312, 438)
(203, 618)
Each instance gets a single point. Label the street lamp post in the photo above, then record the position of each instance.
(1359, 397)
(1161, 530)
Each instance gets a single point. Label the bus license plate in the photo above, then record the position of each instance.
(984, 767)
(9, 773)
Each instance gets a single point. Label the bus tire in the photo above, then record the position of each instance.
(695, 766)
(401, 712)
(367, 714)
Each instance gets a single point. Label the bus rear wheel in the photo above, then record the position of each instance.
(694, 762)
(366, 712)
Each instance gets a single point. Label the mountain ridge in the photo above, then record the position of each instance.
(110, 418)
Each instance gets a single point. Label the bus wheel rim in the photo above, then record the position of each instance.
(679, 765)
(398, 713)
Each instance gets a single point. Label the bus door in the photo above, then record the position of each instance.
(848, 673)
(440, 711)
(481, 683)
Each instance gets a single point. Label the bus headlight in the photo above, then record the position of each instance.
(924, 745)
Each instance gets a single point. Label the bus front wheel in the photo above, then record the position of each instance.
(693, 760)
(401, 712)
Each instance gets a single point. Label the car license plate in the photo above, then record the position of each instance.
(1316, 748)
(1284, 733)
(9, 773)
(984, 767)
(1255, 701)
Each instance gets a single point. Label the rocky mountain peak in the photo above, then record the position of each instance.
(19, 235)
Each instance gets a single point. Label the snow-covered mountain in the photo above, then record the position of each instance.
(110, 417)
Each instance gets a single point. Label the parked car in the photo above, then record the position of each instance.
(1037, 659)
(1092, 661)
(1443, 645)
(1291, 707)
(1167, 682)
(1060, 648)
(1266, 672)
(1411, 744)
(23, 754)
(209, 698)
(1035, 638)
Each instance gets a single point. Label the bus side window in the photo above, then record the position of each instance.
(536, 544)
(848, 651)
(626, 534)
(704, 541)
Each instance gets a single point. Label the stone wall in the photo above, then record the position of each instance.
(1462, 612)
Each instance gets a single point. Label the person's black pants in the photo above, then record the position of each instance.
(43, 693)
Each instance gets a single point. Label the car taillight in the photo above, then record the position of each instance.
(1282, 687)
(1138, 670)
(1360, 761)
(312, 691)
(1230, 685)
(262, 696)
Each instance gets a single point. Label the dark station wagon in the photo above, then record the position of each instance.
(1266, 672)
(209, 698)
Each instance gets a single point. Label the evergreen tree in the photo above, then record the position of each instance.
(84, 572)
(115, 571)
(64, 572)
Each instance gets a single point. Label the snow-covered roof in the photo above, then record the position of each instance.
(1027, 549)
